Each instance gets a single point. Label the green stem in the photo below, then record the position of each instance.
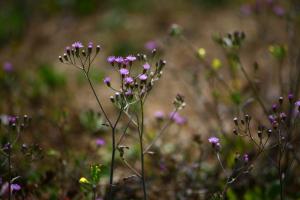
(142, 152)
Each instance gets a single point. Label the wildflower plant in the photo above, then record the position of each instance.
(137, 75)
(13, 126)
(91, 183)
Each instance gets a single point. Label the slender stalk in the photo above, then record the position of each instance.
(9, 172)
(280, 81)
(141, 150)
(94, 193)
(97, 99)
(112, 165)
(279, 165)
(254, 90)
(113, 131)
(160, 132)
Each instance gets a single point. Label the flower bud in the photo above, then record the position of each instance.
(98, 48)
(235, 120)
(280, 100)
(66, 57)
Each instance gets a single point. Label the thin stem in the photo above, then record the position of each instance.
(9, 173)
(94, 193)
(131, 168)
(113, 155)
(97, 98)
(112, 165)
(161, 132)
(279, 165)
(254, 90)
(280, 81)
(141, 150)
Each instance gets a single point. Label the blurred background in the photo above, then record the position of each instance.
(65, 119)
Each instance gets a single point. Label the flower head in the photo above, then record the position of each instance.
(83, 180)
(297, 103)
(77, 45)
(107, 80)
(213, 140)
(146, 66)
(90, 45)
(111, 59)
(100, 142)
(128, 80)
(272, 118)
(8, 67)
(119, 60)
(15, 187)
(143, 77)
(150, 45)
(124, 71)
(290, 97)
(246, 158)
(131, 58)
(128, 92)
(159, 114)
(177, 118)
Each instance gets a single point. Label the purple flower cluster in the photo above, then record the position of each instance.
(128, 60)
(78, 54)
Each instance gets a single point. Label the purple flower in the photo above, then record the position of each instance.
(143, 77)
(159, 115)
(124, 71)
(100, 142)
(128, 80)
(107, 80)
(119, 60)
(128, 92)
(77, 45)
(90, 45)
(290, 97)
(272, 118)
(131, 58)
(274, 107)
(111, 59)
(213, 140)
(12, 119)
(246, 158)
(177, 118)
(146, 66)
(278, 10)
(8, 67)
(283, 116)
(298, 105)
(150, 45)
(15, 187)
